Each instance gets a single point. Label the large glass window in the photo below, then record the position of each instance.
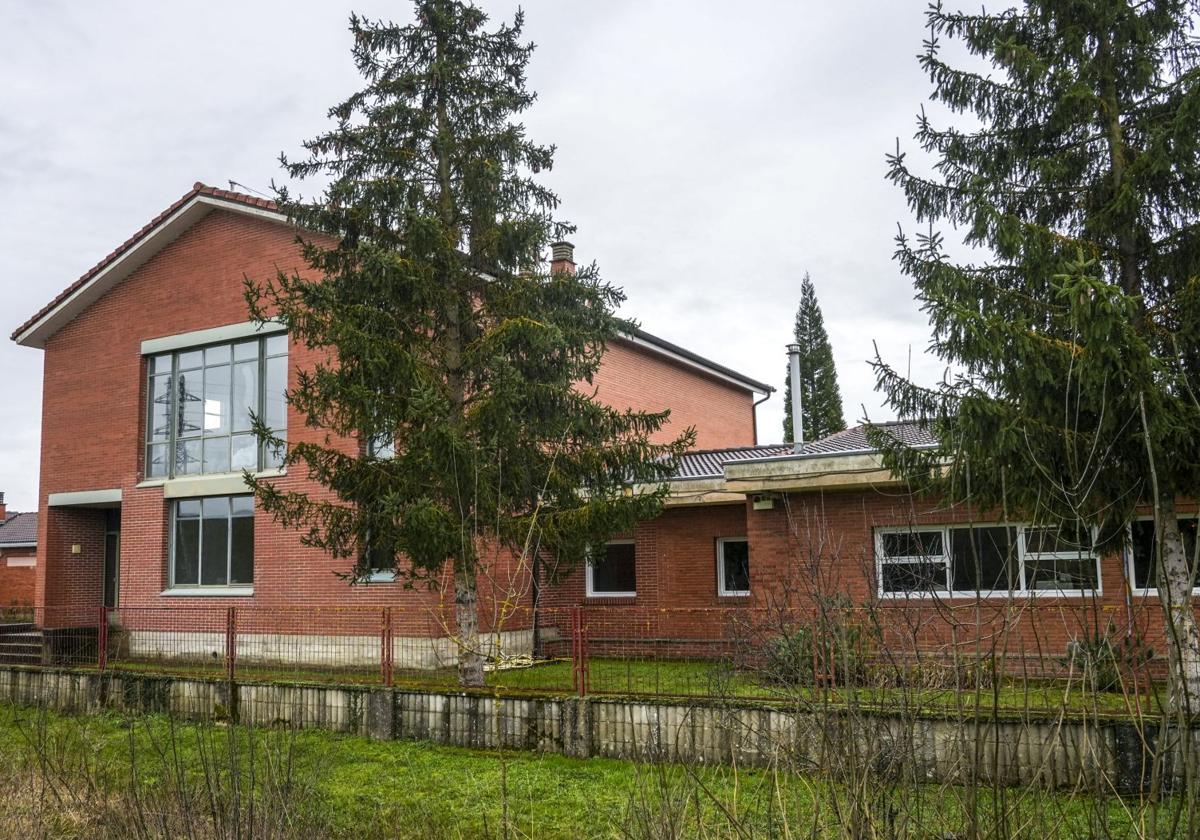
(733, 566)
(989, 559)
(212, 541)
(199, 405)
(1142, 551)
(613, 573)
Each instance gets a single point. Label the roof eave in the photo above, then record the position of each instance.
(38, 330)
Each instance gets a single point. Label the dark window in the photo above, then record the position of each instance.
(616, 572)
(983, 559)
(912, 561)
(199, 405)
(212, 541)
(1060, 559)
(1145, 569)
(733, 566)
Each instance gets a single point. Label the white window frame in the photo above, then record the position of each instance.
(592, 593)
(1128, 556)
(721, 590)
(1022, 585)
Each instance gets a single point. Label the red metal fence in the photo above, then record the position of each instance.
(596, 649)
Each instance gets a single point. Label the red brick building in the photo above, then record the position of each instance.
(18, 557)
(150, 370)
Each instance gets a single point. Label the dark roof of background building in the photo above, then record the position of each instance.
(854, 439)
(18, 529)
(709, 463)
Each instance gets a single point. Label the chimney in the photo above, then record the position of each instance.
(562, 257)
(797, 398)
(3, 509)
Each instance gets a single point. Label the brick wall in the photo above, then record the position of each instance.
(17, 582)
(93, 427)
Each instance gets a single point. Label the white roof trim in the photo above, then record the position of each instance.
(133, 258)
(213, 335)
(686, 362)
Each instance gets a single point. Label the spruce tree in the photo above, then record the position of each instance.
(821, 398)
(454, 425)
(1073, 336)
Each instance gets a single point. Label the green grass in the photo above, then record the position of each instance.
(713, 681)
(348, 787)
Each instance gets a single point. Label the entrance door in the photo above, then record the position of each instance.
(112, 556)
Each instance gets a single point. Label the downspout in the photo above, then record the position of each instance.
(797, 397)
(753, 415)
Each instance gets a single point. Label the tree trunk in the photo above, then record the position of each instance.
(466, 618)
(1175, 594)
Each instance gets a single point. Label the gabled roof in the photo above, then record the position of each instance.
(710, 463)
(18, 529)
(854, 440)
(134, 252)
(199, 202)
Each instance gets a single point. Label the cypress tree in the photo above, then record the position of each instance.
(821, 398)
(453, 424)
(1074, 334)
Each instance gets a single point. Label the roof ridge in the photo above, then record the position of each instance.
(735, 448)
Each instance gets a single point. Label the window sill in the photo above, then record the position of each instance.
(745, 594)
(212, 484)
(208, 592)
(378, 577)
(966, 597)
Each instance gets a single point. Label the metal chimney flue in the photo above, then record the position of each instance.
(797, 398)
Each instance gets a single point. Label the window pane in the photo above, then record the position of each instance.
(191, 404)
(191, 360)
(276, 344)
(1056, 571)
(245, 394)
(275, 409)
(736, 565)
(982, 559)
(189, 508)
(245, 452)
(156, 460)
(159, 364)
(242, 505)
(187, 457)
(187, 551)
(216, 399)
(158, 422)
(216, 455)
(913, 577)
(1145, 564)
(242, 559)
(912, 544)
(1062, 540)
(218, 355)
(214, 544)
(617, 571)
(245, 350)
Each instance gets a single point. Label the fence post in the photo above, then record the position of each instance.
(231, 643)
(385, 647)
(102, 640)
(575, 652)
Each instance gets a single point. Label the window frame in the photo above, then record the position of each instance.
(589, 589)
(722, 592)
(264, 461)
(1022, 588)
(1127, 552)
(200, 588)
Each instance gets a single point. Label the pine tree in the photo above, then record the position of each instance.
(453, 423)
(1075, 334)
(821, 398)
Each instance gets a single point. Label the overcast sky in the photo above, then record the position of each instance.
(710, 153)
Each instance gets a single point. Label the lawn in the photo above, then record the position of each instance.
(94, 776)
(709, 680)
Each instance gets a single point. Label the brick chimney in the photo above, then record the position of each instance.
(562, 257)
(3, 509)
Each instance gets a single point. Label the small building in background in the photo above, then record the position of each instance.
(18, 557)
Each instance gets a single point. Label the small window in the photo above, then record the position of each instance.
(912, 561)
(733, 566)
(615, 573)
(1060, 558)
(212, 542)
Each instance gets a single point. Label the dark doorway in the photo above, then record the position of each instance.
(112, 556)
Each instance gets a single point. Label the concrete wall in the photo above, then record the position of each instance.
(1075, 755)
